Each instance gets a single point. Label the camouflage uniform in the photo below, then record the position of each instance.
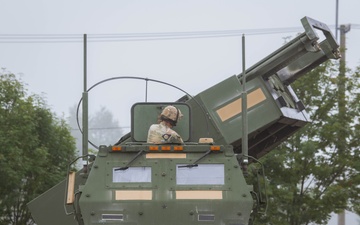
(160, 133)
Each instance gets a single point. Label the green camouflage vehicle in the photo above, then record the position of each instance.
(199, 181)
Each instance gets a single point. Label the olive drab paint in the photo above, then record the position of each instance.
(200, 181)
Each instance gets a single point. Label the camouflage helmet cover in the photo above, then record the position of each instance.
(172, 113)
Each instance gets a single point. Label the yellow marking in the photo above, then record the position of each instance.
(166, 156)
(133, 195)
(206, 140)
(234, 107)
(70, 189)
(198, 195)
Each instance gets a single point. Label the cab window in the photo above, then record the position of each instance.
(132, 175)
(203, 174)
(144, 114)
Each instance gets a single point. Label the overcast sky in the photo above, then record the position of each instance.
(53, 67)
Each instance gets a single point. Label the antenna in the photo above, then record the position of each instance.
(244, 108)
(85, 108)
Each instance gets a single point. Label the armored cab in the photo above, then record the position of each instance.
(201, 180)
(141, 183)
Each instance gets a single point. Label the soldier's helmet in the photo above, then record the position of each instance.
(172, 113)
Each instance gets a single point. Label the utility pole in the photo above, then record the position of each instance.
(341, 101)
(336, 19)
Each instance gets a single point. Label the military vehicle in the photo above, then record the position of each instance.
(200, 181)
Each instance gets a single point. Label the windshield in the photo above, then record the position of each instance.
(203, 174)
(132, 175)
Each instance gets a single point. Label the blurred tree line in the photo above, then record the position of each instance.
(104, 129)
(317, 171)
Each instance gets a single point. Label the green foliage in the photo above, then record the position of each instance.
(36, 148)
(316, 172)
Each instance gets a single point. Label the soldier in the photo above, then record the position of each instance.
(162, 132)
